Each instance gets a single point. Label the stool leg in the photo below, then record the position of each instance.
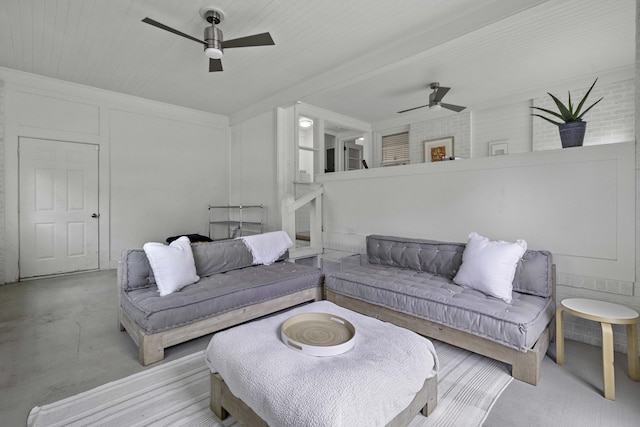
(632, 352)
(607, 362)
(559, 337)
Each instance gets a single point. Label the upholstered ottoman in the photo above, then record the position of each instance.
(384, 380)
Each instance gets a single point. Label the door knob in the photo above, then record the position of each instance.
(95, 215)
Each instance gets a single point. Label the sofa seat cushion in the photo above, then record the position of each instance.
(518, 324)
(216, 294)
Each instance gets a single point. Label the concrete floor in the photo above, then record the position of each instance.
(59, 337)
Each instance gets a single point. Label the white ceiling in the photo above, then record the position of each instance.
(364, 58)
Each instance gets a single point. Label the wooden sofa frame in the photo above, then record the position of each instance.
(151, 346)
(524, 366)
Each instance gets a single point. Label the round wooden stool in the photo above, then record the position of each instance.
(606, 313)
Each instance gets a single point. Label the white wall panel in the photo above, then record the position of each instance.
(76, 235)
(45, 189)
(164, 174)
(45, 112)
(45, 238)
(75, 189)
(253, 167)
(577, 203)
(509, 123)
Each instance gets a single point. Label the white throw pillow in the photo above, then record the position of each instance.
(490, 266)
(173, 265)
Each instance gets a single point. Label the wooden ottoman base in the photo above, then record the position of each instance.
(223, 403)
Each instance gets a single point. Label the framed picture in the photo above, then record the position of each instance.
(498, 148)
(436, 149)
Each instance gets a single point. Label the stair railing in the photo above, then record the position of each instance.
(289, 207)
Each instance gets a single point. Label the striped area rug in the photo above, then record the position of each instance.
(177, 394)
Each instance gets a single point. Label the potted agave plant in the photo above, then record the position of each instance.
(572, 127)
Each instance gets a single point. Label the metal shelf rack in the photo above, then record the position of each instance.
(235, 221)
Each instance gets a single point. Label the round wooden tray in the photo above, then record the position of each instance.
(318, 334)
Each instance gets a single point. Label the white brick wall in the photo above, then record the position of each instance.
(458, 126)
(615, 287)
(510, 123)
(612, 120)
(2, 173)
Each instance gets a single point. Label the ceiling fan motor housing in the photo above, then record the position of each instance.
(212, 34)
(432, 96)
(213, 37)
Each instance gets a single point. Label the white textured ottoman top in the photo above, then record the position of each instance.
(366, 386)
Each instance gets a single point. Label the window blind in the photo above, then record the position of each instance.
(395, 149)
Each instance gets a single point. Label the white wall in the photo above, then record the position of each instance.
(159, 165)
(583, 220)
(253, 166)
(508, 123)
(164, 174)
(578, 203)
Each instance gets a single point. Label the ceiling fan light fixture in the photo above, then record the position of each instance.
(435, 106)
(213, 53)
(305, 122)
(213, 40)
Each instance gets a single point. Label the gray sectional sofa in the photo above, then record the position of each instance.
(230, 291)
(408, 282)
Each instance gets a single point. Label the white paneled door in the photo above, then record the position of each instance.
(58, 207)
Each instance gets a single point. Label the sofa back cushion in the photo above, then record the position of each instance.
(220, 256)
(440, 258)
(210, 258)
(533, 273)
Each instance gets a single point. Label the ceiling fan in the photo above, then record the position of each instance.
(214, 43)
(435, 100)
